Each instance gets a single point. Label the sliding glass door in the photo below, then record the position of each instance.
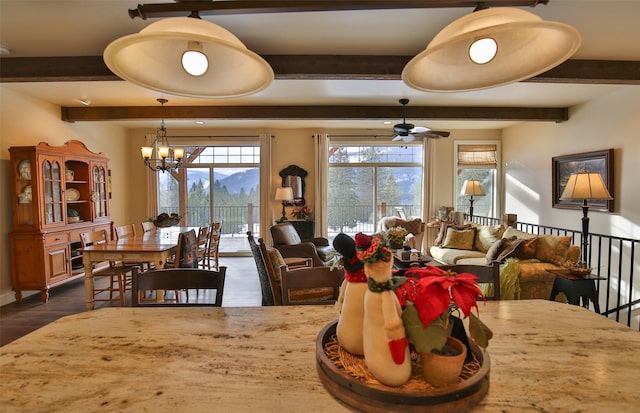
(217, 183)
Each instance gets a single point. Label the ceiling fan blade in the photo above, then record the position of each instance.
(420, 129)
(440, 133)
(397, 138)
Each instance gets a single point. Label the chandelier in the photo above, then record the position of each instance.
(168, 158)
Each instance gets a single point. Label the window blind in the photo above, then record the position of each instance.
(477, 155)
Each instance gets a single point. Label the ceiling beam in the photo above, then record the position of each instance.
(183, 8)
(78, 114)
(93, 68)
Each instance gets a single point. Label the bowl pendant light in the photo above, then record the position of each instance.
(490, 47)
(187, 56)
(194, 61)
(483, 50)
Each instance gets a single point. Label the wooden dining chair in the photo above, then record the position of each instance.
(202, 245)
(318, 289)
(118, 274)
(148, 226)
(295, 280)
(212, 255)
(126, 231)
(186, 254)
(487, 274)
(181, 279)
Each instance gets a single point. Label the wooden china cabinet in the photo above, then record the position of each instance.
(57, 193)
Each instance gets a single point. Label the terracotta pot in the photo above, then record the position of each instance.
(440, 370)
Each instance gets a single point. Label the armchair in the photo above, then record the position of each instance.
(287, 241)
(415, 227)
(272, 269)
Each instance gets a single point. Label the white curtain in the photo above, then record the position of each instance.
(428, 173)
(151, 178)
(321, 141)
(265, 184)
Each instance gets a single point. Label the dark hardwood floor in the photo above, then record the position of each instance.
(242, 289)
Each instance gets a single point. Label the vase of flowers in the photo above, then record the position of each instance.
(431, 297)
(301, 212)
(396, 237)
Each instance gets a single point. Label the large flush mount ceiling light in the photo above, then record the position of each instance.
(187, 56)
(488, 48)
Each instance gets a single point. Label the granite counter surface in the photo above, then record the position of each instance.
(545, 357)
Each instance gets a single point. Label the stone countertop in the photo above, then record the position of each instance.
(545, 356)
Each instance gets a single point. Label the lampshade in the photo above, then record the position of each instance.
(524, 46)
(284, 194)
(154, 59)
(472, 188)
(585, 186)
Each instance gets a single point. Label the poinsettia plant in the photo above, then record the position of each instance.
(430, 296)
(301, 212)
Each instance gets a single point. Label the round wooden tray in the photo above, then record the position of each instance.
(416, 396)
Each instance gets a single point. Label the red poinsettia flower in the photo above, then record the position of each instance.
(434, 289)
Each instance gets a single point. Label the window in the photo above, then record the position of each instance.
(216, 183)
(479, 161)
(364, 176)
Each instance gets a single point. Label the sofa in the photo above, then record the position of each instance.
(524, 258)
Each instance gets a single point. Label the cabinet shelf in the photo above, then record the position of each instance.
(41, 226)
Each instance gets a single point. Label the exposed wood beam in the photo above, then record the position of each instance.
(92, 68)
(183, 8)
(77, 114)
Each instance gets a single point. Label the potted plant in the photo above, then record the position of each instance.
(73, 215)
(301, 212)
(396, 237)
(431, 297)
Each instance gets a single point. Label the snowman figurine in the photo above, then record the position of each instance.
(351, 300)
(386, 349)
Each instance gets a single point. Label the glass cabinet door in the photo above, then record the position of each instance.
(24, 211)
(100, 191)
(52, 188)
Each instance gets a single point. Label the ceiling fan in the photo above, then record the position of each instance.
(408, 132)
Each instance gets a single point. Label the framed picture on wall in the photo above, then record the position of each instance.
(564, 166)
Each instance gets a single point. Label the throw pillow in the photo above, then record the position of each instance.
(526, 249)
(519, 248)
(511, 231)
(553, 249)
(495, 249)
(276, 261)
(459, 239)
(444, 226)
(487, 236)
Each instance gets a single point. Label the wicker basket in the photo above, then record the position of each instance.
(347, 378)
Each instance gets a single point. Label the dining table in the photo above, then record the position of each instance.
(545, 357)
(153, 246)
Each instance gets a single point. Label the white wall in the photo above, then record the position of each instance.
(612, 121)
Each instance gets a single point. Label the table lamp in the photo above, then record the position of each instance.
(585, 186)
(471, 188)
(284, 194)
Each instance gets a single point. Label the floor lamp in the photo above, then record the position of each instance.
(284, 194)
(585, 186)
(471, 188)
